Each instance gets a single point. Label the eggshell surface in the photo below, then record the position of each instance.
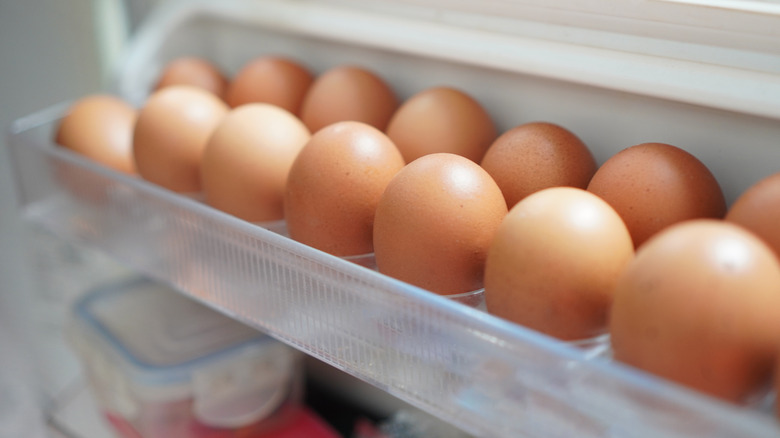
(171, 133)
(100, 127)
(700, 305)
(758, 210)
(435, 222)
(334, 186)
(348, 93)
(536, 156)
(441, 119)
(247, 159)
(193, 71)
(271, 79)
(654, 185)
(554, 262)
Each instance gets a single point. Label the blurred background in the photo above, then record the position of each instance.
(51, 51)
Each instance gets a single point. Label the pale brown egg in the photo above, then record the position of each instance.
(348, 93)
(758, 210)
(554, 262)
(535, 156)
(270, 79)
(435, 222)
(170, 134)
(193, 71)
(247, 159)
(700, 305)
(441, 119)
(654, 185)
(100, 127)
(334, 186)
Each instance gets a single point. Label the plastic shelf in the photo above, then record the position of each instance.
(485, 375)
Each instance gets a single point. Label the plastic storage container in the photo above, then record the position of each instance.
(705, 79)
(162, 365)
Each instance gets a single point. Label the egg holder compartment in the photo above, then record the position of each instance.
(475, 298)
(485, 375)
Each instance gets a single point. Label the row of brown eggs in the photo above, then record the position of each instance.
(636, 247)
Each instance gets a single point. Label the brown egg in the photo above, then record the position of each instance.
(100, 127)
(271, 79)
(435, 222)
(700, 305)
(193, 71)
(170, 134)
(348, 93)
(535, 156)
(654, 185)
(247, 159)
(334, 186)
(758, 210)
(441, 119)
(554, 262)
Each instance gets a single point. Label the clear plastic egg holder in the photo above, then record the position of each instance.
(488, 376)
(161, 364)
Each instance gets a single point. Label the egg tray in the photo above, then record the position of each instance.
(485, 375)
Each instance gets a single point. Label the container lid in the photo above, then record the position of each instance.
(158, 331)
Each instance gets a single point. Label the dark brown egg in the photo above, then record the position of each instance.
(536, 156)
(654, 185)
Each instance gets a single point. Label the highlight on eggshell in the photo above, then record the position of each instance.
(554, 261)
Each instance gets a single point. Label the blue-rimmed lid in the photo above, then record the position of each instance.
(160, 334)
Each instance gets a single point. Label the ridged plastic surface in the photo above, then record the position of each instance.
(487, 376)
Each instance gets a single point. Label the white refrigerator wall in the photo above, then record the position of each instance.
(47, 52)
(50, 51)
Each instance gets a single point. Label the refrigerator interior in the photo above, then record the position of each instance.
(632, 96)
(49, 52)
